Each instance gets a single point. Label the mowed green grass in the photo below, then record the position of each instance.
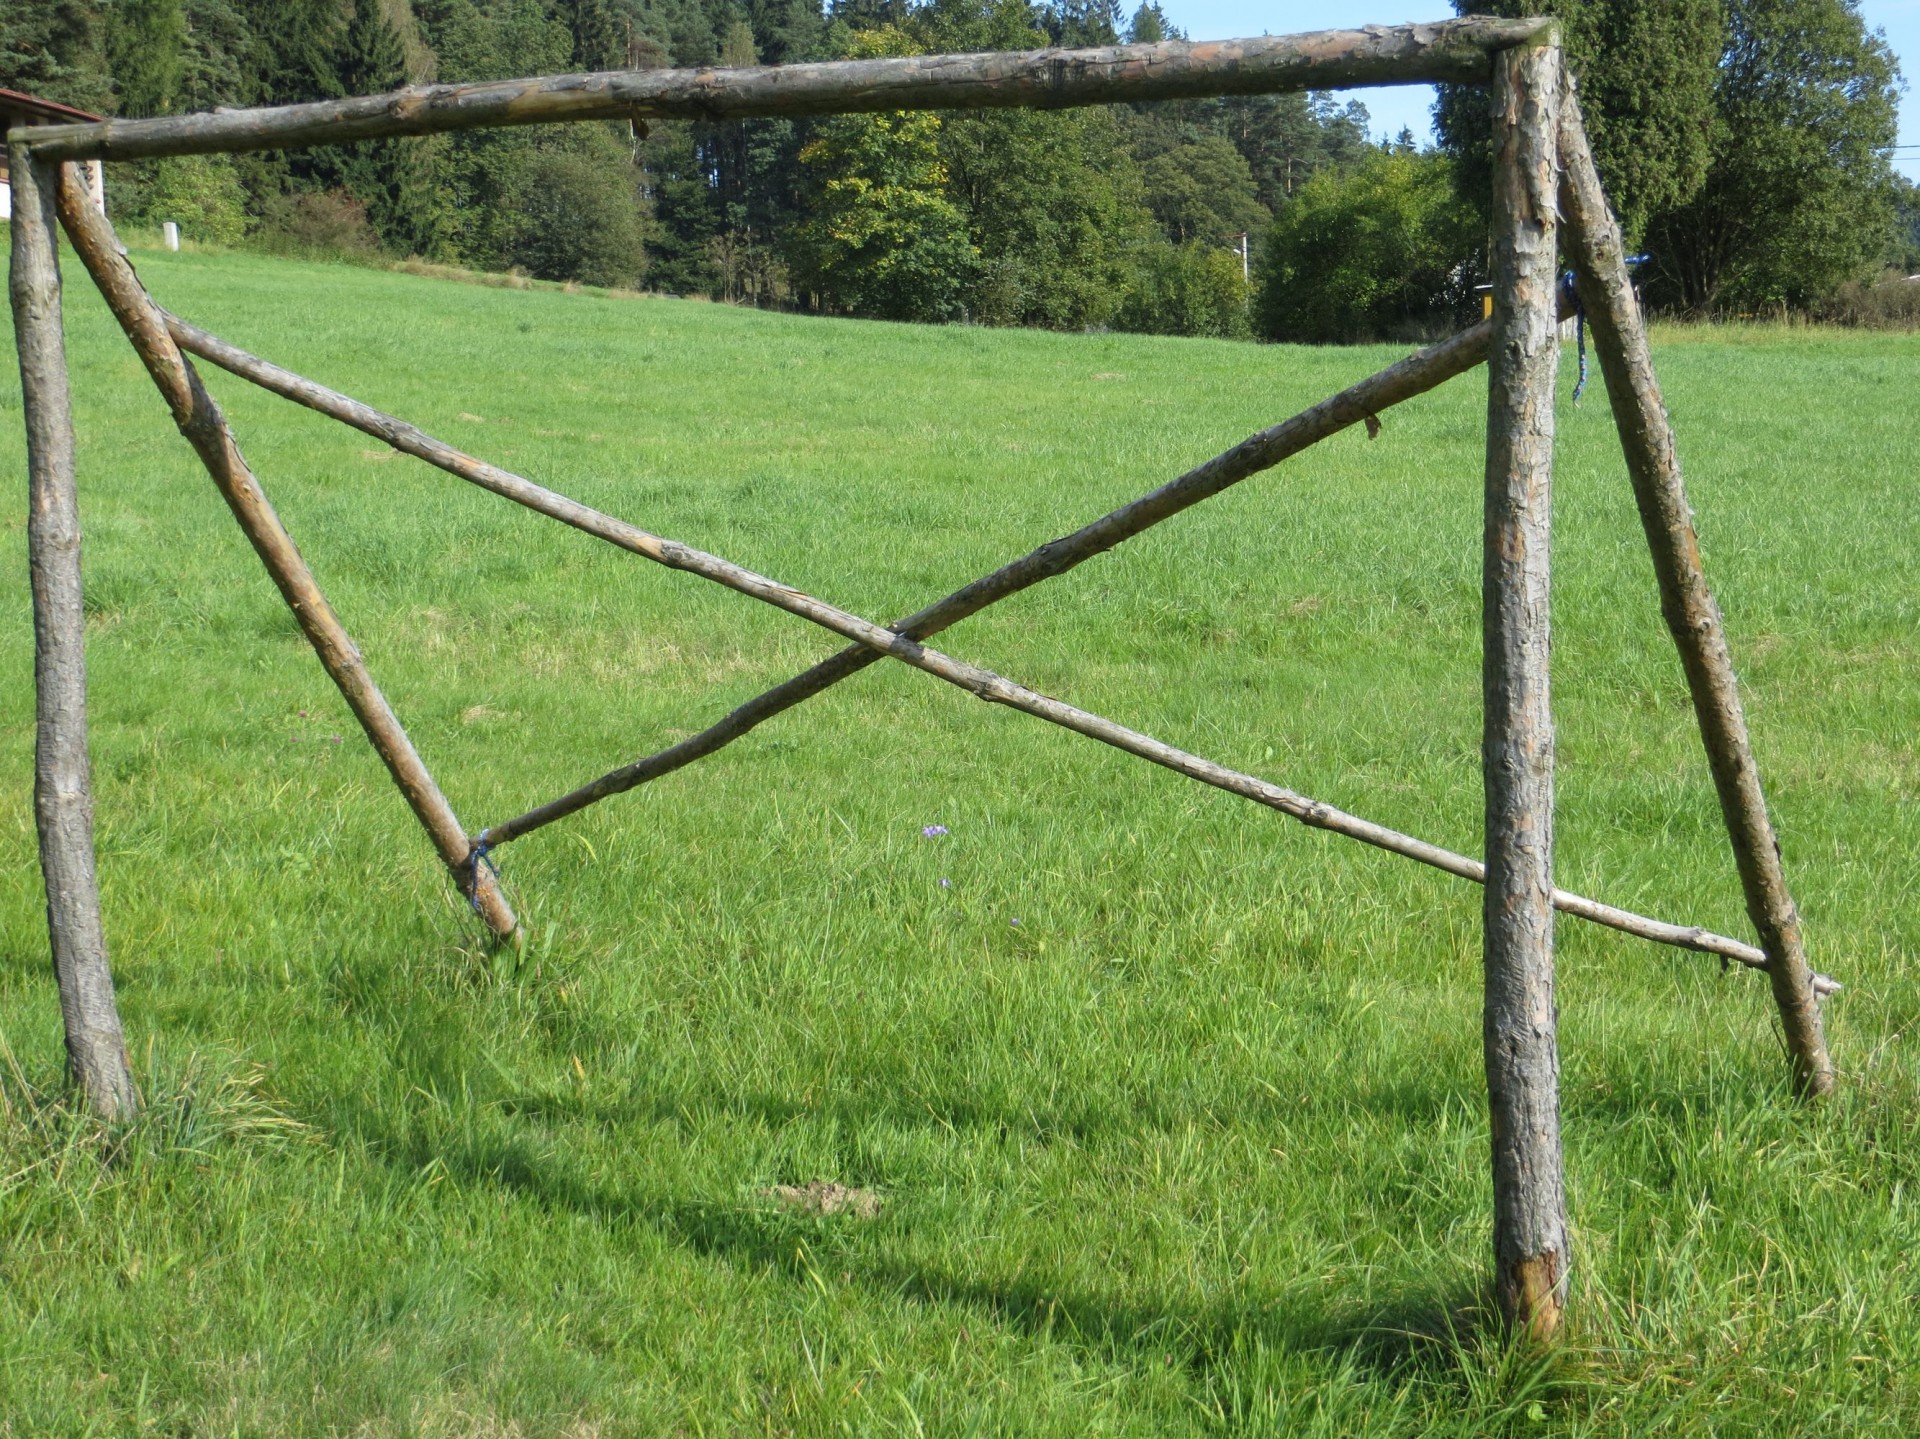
(1176, 1107)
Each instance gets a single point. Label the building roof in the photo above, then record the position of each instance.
(15, 102)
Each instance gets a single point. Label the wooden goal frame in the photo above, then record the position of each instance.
(1547, 201)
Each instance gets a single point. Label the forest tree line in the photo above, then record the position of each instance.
(1746, 144)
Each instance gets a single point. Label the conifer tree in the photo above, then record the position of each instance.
(598, 43)
(52, 48)
(296, 48)
(146, 43)
(397, 179)
(1149, 25)
(215, 56)
(787, 31)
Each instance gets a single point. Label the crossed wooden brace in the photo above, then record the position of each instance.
(160, 337)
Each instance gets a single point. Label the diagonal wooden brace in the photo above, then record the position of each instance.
(202, 422)
(1620, 339)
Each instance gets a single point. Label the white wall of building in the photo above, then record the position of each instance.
(96, 187)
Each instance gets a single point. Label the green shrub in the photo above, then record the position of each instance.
(1191, 289)
(1386, 249)
(200, 193)
(324, 223)
(1890, 302)
(577, 216)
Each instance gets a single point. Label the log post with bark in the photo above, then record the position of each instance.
(1522, 1052)
(62, 777)
(1692, 616)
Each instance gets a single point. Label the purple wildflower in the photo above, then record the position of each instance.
(933, 831)
(945, 883)
(1014, 921)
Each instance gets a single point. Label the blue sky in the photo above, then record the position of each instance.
(1408, 105)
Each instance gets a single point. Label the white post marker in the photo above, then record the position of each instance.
(170, 233)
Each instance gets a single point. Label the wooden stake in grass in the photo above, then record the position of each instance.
(201, 421)
(62, 780)
(1619, 337)
(1522, 1054)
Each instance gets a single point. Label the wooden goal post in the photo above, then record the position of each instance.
(1548, 210)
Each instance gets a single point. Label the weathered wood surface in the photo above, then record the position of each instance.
(201, 421)
(1452, 50)
(1653, 462)
(1396, 383)
(1522, 1054)
(62, 778)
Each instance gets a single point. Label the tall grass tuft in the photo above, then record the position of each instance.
(189, 1110)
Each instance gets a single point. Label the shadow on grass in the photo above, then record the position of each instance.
(1442, 1338)
(1413, 1106)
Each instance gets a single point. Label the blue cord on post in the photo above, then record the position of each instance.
(481, 853)
(1570, 298)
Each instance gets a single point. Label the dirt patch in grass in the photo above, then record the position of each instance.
(823, 1196)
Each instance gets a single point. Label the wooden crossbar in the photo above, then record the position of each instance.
(1453, 50)
(1365, 400)
(1412, 376)
(1263, 450)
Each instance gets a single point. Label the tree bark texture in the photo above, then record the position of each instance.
(1452, 50)
(1397, 382)
(62, 780)
(1522, 1055)
(201, 421)
(1653, 462)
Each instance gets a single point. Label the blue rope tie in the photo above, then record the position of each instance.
(1580, 333)
(482, 854)
(1572, 294)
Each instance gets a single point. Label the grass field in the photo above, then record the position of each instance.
(1175, 1107)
